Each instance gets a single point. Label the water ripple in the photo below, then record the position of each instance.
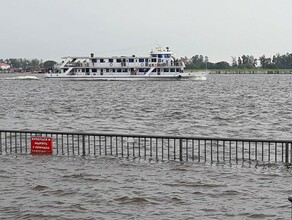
(253, 106)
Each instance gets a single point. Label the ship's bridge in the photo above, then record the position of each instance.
(161, 53)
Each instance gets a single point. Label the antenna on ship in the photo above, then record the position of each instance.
(158, 44)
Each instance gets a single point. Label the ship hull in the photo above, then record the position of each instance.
(183, 76)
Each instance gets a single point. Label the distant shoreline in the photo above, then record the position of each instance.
(251, 72)
(286, 71)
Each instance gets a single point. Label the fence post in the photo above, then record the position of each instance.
(287, 153)
(0, 142)
(290, 152)
(180, 150)
(83, 145)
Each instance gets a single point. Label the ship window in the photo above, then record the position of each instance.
(153, 60)
(154, 55)
(102, 60)
(107, 70)
(167, 55)
(119, 60)
(172, 70)
(94, 70)
(110, 60)
(141, 70)
(166, 70)
(83, 70)
(94, 60)
(159, 60)
(154, 70)
(131, 60)
(114, 70)
(178, 70)
(125, 70)
(119, 70)
(159, 55)
(141, 60)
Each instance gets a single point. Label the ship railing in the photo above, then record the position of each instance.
(164, 65)
(176, 148)
(76, 65)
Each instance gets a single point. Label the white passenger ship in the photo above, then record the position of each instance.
(160, 65)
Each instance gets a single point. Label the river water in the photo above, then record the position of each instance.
(55, 187)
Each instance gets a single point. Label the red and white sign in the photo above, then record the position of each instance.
(41, 145)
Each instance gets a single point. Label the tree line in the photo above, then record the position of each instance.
(277, 61)
(28, 65)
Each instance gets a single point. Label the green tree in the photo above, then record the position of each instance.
(247, 62)
(239, 61)
(49, 64)
(266, 63)
(234, 62)
(221, 65)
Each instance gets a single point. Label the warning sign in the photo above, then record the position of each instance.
(41, 145)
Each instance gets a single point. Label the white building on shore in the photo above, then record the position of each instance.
(4, 66)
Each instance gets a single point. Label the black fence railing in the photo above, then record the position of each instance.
(153, 147)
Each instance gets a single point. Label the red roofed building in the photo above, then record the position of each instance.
(4, 66)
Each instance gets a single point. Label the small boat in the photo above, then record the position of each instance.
(160, 65)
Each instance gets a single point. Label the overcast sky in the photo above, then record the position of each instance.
(218, 29)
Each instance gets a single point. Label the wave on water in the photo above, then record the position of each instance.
(22, 78)
(200, 78)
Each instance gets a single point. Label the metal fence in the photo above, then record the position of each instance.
(153, 147)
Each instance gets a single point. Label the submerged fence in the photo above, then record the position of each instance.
(153, 147)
